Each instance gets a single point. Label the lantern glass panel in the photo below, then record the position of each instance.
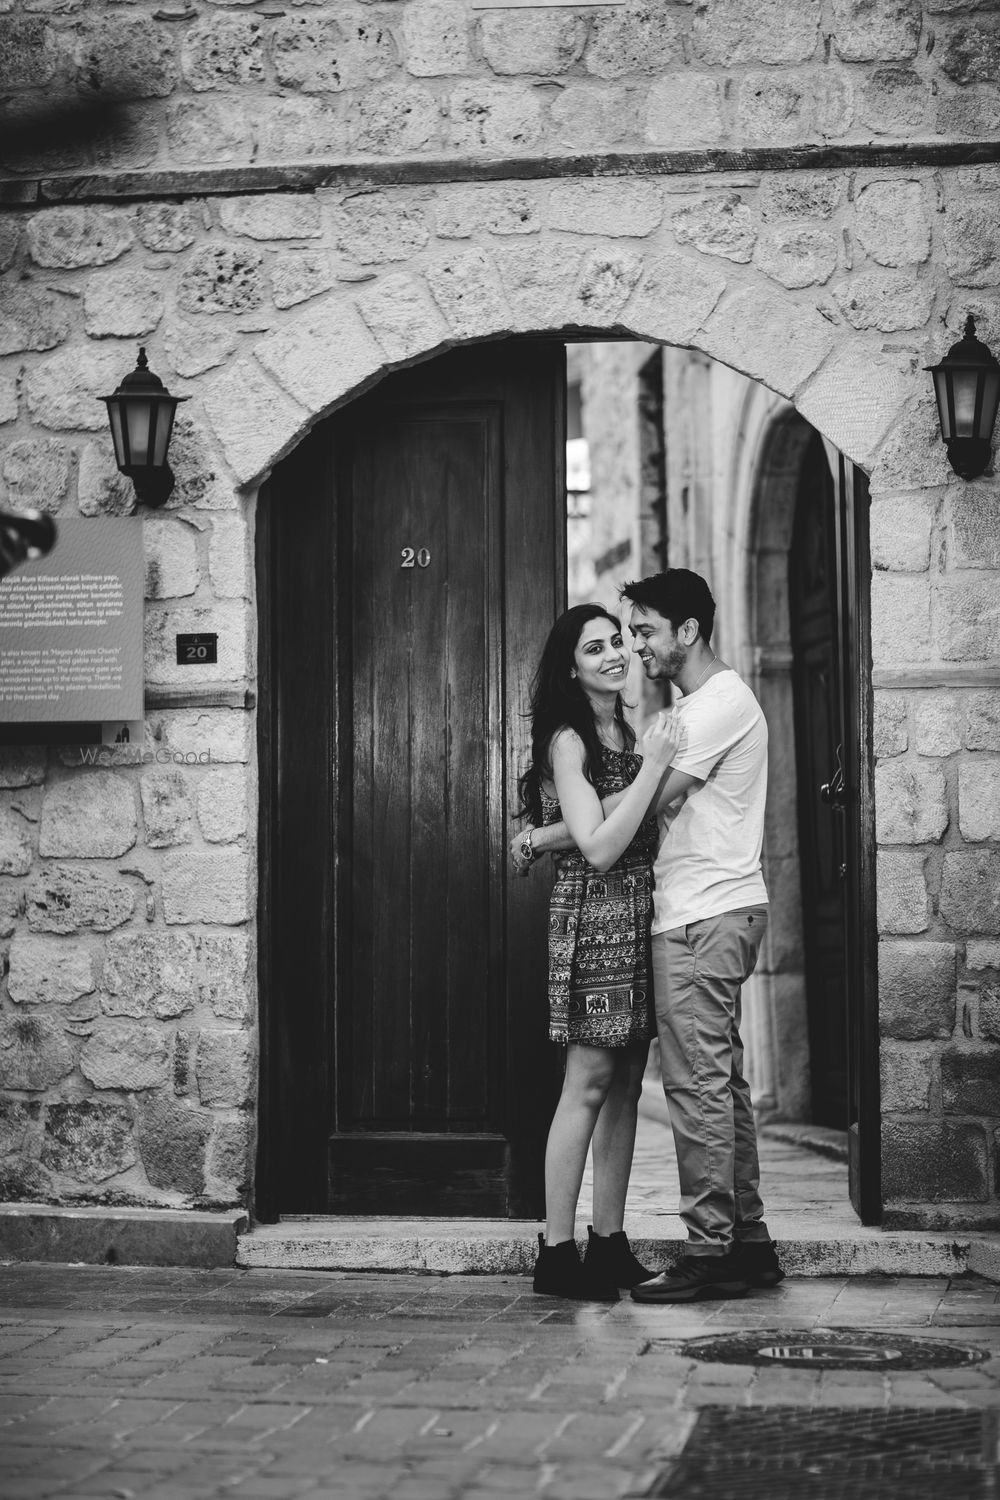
(117, 433)
(991, 400)
(164, 425)
(139, 418)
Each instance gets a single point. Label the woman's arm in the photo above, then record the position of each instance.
(603, 839)
(555, 838)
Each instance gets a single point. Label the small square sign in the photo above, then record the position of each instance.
(197, 650)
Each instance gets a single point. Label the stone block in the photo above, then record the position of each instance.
(124, 57)
(229, 563)
(856, 398)
(436, 38)
(18, 1119)
(883, 31)
(91, 816)
(901, 528)
(122, 303)
(29, 52)
(591, 116)
(171, 558)
(103, 1236)
(989, 1000)
(65, 898)
(685, 109)
(298, 357)
(212, 887)
(225, 979)
(222, 279)
(538, 288)
(275, 216)
(674, 298)
(35, 1053)
(970, 891)
(902, 893)
(970, 111)
(396, 120)
(201, 129)
(796, 255)
(462, 212)
(31, 319)
(728, 32)
(982, 720)
(126, 1055)
(973, 528)
(65, 238)
(321, 55)
(890, 221)
(252, 418)
(223, 51)
(769, 337)
(982, 955)
(934, 1162)
(21, 766)
(937, 724)
(887, 300)
(613, 208)
(227, 617)
(971, 54)
(800, 195)
(889, 733)
(895, 101)
(972, 240)
(907, 1076)
(62, 391)
(970, 1081)
(36, 473)
(166, 809)
(223, 734)
(149, 974)
(101, 488)
(401, 314)
(644, 38)
(300, 275)
(968, 622)
(911, 804)
(771, 108)
(532, 42)
(166, 227)
(374, 227)
(16, 852)
(10, 907)
(10, 243)
(8, 399)
(48, 970)
(89, 1141)
(913, 457)
(200, 481)
(172, 1142)
(225, 1068)
(607, 280)
(193, 348)
(916, 989)
(230, 1157)
(979, 798)
(719, 224)
(504, 118)
(901, 619)
(467, 288)
(222, 806)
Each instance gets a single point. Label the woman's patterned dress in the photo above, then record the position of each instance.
(599, 957)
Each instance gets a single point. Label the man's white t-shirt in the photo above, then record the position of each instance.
(709, 856)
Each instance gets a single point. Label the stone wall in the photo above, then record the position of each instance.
(302, 201)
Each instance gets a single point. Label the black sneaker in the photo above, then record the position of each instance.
(758, 1261)
(609, 1257)
(559, 1272)
(694, 1277)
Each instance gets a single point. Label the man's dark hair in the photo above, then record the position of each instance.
(677, 595)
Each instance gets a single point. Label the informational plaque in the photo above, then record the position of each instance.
(71, 627)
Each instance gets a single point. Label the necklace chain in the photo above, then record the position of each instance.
(704, 674)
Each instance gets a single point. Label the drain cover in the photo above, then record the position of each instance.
(830, 1349)
(785, 1453)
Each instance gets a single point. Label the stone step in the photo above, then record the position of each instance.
(506, 1247)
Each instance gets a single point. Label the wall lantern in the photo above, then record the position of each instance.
(141, 413)
(967, 386)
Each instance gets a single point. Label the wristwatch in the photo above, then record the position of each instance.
(527, 852)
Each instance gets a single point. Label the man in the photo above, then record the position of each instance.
(709, 919)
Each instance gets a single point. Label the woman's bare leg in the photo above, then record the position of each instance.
(614, 1139)
(588, 1077)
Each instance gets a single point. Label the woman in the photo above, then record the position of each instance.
(583, 749)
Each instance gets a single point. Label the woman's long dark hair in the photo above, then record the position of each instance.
(559, 702)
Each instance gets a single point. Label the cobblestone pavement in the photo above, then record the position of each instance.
(179, 1384)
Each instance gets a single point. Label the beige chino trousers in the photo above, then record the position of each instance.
(698, 974)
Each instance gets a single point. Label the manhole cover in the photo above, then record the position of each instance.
(785, 1453)
(830, 1349)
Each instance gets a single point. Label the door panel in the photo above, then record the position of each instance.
(402, 976)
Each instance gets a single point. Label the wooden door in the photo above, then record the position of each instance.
(420, 534)
(829, 600)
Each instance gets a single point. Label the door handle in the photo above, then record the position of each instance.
(833, 792)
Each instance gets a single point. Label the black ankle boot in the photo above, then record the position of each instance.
(609, 1258)
(559, 1272)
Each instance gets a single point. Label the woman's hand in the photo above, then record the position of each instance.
(662, 739)
(521, 865)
